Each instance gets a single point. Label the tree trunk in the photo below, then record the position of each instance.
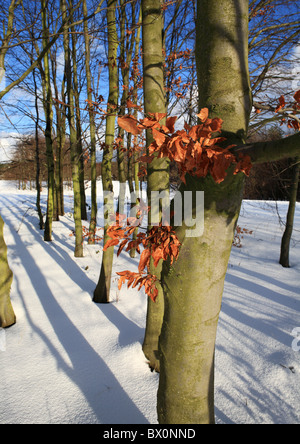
(135, 188)
(102, 291)
(135, 155)
(78, 128)
(59, 163)
(7, 315)
(48, 130)
(62, 150)
(93, 220)
(73, 144)
(126, 49)
(133, 164)
(60, 141)
(37, 158)
(286, 238)
(193, 286)
(158, 170)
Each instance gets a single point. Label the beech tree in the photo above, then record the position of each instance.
(76, 93)
(158, 170)
(7, 315)
(193, 278)
(133, 165)
(286, 238)
(193, 300)
(87, 59)
(48, 130)
(60, 111)
(102, 290)
(73, 139)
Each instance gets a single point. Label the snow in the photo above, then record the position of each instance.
(68, 360)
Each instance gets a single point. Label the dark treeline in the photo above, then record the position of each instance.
(267, 181)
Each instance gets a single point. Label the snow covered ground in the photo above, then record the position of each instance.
(71, 361)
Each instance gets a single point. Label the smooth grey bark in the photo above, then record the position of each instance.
(73, 141)
(48, 129)
(193, 285)
(287, 235)
(87, 58)
(102, 290)
(158, 170)
(7, 315)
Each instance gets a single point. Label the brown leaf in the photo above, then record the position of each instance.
(110, 243)
(159, 116)
(281, 104)
(144, 259)
(157, 255)
(193, 132)
(130, 104)
(216, 124)
(180, 152)
(122, 245)
(170, 124)
(158, 137)
(297, 96)
(149, 123)
(129, 124)
(203, 115)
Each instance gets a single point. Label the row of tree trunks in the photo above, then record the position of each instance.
(55, 204)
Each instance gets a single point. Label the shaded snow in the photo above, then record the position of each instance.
(68, 360)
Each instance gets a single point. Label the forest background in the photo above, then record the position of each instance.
(274, 58)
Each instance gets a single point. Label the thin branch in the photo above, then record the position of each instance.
(64, 26)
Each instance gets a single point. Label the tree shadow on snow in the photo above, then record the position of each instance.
(260, 317)
(89, 371)
(268, 297)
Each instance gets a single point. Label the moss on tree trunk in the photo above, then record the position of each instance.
(158, 170)
(193, 286)
(73, 143)
(193, 289)
(102, 291)
(7, 315)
